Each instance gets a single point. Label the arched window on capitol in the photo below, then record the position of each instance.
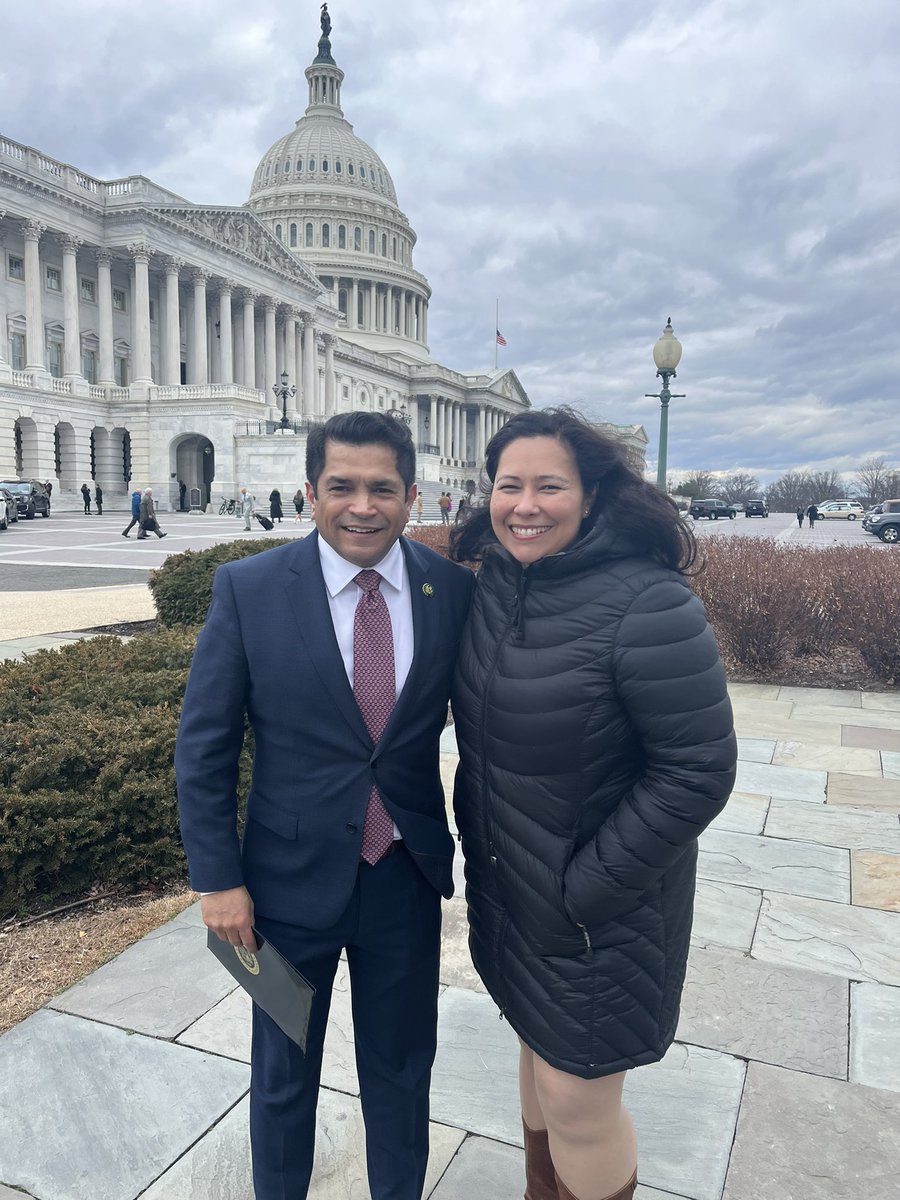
(309, 233)
(278, 233)
(342, 237)
(326, 234)
(371, 241)
(293, 233)
(357, 238)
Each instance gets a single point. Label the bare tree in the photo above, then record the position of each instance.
(826, 485)
(790, 492)
(873, 481)
(740, 487)
(700, 485)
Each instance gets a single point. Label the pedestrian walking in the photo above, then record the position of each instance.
(98, 499)
(420, 501)
(812, 514)
(136, 497)
(299, 500)
(182, 492)
(800, 515)
(445, 504)
(246, 508)
(49, 488)
(86, 497)
(149, 522)
(275, 510)
(460, 510)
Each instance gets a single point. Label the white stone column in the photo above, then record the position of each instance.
(237, 342)
(298, 358)
(141, 313)
(441, 426)
(290, 346)
(226, 347)
(448, 427)
(424, 338)
(353, 314)
(329, 340)
(72, 344)
(269, 376)
(457, 431)
(35, 354)
(171, 371)
(480, 442)
(279, 348)
(432, 438)
(249, 339)
(107, 375)
(309, 366)
(200, 352)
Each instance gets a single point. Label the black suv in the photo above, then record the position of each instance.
(31, 497)
(713, 509)
(756, 508)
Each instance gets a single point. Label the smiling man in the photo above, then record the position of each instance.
(339, 649)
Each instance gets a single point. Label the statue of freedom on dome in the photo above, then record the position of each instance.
(326, 21)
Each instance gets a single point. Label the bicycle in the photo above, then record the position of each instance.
(227, 506)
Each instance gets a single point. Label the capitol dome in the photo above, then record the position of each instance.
(330, 199)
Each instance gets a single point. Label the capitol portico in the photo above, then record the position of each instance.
(145, 334)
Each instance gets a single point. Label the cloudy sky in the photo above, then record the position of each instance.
(596, 165)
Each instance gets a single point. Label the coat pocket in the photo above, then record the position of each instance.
(277, 820)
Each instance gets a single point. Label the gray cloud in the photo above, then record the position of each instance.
(595, 165)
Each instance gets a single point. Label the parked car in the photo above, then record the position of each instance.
(756, 508)
(31, 497)
(887, 526)
(840, 510)
(9, 510)
(713, 509)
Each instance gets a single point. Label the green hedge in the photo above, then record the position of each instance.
(87, 738)
(182, 586)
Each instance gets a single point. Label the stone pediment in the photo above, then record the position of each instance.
(506, 383)
(241, 231)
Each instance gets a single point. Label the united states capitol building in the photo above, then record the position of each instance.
(145, 334)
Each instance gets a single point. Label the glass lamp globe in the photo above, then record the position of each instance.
(667, 350)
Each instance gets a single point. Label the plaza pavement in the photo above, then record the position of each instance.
(783, 1083)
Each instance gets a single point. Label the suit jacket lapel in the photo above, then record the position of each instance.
(309, 602)
(426, 627)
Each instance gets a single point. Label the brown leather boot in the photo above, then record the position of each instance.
(540, 1177)
(624, 1193)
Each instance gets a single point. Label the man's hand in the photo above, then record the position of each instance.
(229, 915)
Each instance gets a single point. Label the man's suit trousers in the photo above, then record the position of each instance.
(391, 932)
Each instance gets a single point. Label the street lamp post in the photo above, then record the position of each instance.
(284, 393)
(667, 356)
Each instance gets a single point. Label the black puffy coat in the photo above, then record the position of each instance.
(596, 742)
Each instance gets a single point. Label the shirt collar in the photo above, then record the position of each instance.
(338, 573)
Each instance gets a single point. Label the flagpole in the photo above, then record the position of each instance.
(496, 328)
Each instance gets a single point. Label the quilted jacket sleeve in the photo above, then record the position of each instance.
(672, 685)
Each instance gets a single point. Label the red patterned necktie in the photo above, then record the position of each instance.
(375, 689)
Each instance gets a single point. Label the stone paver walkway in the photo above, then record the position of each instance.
(784, 1081)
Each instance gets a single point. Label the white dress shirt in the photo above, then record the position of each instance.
(344, 594)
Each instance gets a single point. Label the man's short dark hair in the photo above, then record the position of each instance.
(362, 429)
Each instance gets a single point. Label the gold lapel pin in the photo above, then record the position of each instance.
(428, 589)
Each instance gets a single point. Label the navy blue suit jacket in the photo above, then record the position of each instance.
(268, 649)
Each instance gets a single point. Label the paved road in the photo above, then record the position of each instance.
(74, 551)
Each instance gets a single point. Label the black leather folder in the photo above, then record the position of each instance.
(271, 982)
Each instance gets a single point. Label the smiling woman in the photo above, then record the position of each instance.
(596, 743)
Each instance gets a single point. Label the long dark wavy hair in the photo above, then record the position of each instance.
(646, 519)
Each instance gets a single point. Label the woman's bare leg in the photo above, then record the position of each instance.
(592, 1139)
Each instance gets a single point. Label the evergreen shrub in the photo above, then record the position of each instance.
(87, 783)
(182, 586)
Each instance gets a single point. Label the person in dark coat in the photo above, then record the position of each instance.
(596, 742)
(275, 511)
(800, 515)
(136, 497)
(298, 504)
(182, 493)
(149, 523)
(86, 497)
(812, 514)
(98, 499)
